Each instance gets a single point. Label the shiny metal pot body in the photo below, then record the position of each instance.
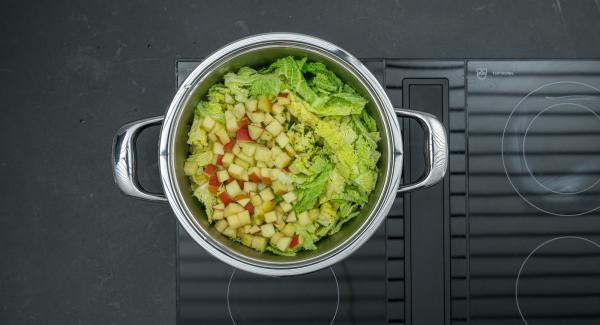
(257, 51)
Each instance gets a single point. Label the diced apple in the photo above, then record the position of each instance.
(270, 216)
(221, 225)
(268, 119)
(275, 151)
(283, 100)
(229, 232)
(284, 243)
(291, 217)
(247, 240)
(257, 117)
(235, 171)
(255, 200)
(289, 230)
(241, 163)
(268, 206)
(232, 209)
(259, 243)
(208, 123)
(262, 153)
(250, 187)
(254, 229)
(222, 175)
(244, 218)
(233, 188)
(218, 148)
(289, 197)
(229, 99)
(282, 140)
(276, 238)
(219, 206)
(267, 230)
(254, 131)
(277, 108)
(278, 187)
(251, 105)
(233, 221)
(212, 136)
(236, 149)
(228, 158)
(264, 104)
(222, 135)
(267, 194)
(261, 164)
(248, 148)
(217, 215)
(243, 202)
(265, 172)
(279, 118)
(285, 206)
(239, 110)
(290, 150)
(266, 136)
(304, 219)
(246, 158)
(230, 122)
(282, 160)
(274, 128)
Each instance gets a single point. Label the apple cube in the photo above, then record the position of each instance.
(251, 105)
(208, 123)
(229, 99)
(282, 140)
(290, 150)
(266, 136)
(248, 148)
(250, 187)
(274, 128)
(212, 136)
(289, 230)
(232, 209)
(283, 100)
(239, 110)
(276, 238)
(217, 215)
(304, 219)
(221, 225)
(279, 187)
(218, 148)
(223, 176)
(233, 188)
(262, 153)
(313, 214)
(255, 200)
(277, 108)
(289, 197)
(268, 206)
(222, 135)
(279, 118)
(243, 202)
(236, 149)
(244, 218)
(190, 168)
(254, 229)
(261, 164)
(259, 243)
(230, 122)
(284, 243)
(282, 160)
(256, 117)
(267, 194)
(254, 131)
(228, 158)
(219, 206)
(285, 206)
(268, 119)
(235, 171)
(229, 232)
(233, 221)
(267, 230)
(247, 240)
(291, 217)
(264, 104)
(270, 216)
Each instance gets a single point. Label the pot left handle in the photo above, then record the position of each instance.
(124, 162)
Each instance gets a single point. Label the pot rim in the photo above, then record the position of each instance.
(392, 171)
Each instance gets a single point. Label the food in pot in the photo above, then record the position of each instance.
(283, 156)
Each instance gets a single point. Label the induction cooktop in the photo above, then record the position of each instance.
(511, 236)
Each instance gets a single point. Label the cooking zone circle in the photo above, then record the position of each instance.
(554, 279)
(255, 300)
(550, 148)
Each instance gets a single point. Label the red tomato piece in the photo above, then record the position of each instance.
(213, 189)
(243, 135)
(229, 146)
(230, 178)
(243, 123)
(210, 169)
(213, 181)
(253, 177)
(295, 241)
(225, 198)
(220, 160)
(250, 208)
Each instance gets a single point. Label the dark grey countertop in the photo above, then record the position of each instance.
(73, 250)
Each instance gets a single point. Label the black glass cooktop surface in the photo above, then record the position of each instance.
(511, 236)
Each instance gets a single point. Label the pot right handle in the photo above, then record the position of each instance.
(436, 149)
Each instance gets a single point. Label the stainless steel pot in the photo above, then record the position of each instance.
(257, 51)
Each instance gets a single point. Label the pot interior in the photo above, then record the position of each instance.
(257, 57)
